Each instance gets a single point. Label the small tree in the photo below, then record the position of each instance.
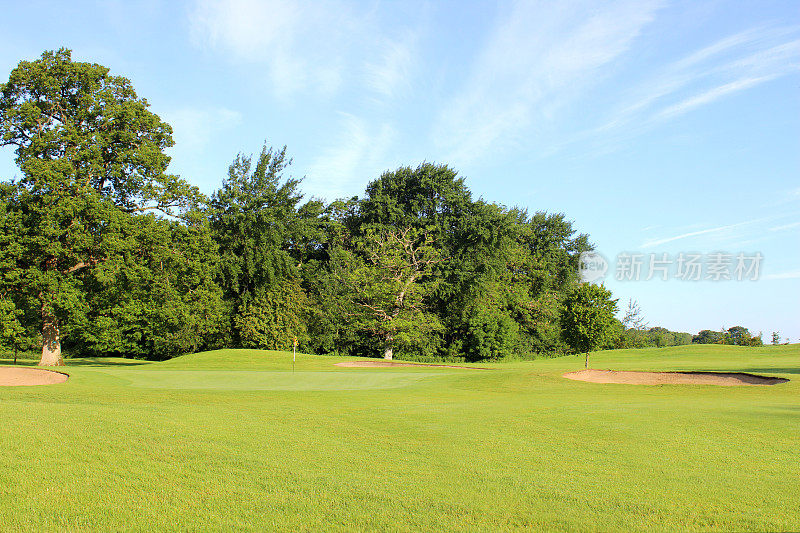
(588, 318)
(776, 337)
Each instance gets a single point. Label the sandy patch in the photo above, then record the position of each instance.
(22, 376)
(726, 379)
(382, 364)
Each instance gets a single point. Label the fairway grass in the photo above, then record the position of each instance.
(233, 439)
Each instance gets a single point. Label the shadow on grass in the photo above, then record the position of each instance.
(82, 361)
(105, 361)
(772, 370)
(20, 362)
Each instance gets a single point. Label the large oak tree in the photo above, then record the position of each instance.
(91, 156)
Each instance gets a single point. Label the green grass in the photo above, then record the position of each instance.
(234, 440)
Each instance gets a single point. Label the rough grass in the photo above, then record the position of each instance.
(234, 440)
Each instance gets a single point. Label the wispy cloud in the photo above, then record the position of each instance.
(715, 230)
(298, 41)
(794, 274)
(307, 46)
(391, 73)
(360, 154)
(539, 56)
(732, 64)
(709, 96)
(786, 226)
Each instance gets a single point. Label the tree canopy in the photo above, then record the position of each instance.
(92, 158)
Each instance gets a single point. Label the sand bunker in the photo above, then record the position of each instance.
(726, 379)
(22, 376)
(379, 364)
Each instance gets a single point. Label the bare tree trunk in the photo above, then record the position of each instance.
(51, 343)
(389, 350)
(586, 361)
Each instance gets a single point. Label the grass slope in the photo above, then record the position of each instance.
(233, 439)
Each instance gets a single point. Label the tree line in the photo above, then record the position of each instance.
(105, 253)
(736, 336)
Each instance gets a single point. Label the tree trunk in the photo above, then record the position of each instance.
(51, 343)
(586, 361)
(389, 350)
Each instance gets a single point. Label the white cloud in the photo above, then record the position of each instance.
(732, 64)
(786, 226)
(248, 28)
(361, 154)
(391, 73)
(307, 46)
(300, 42)
(716, 230)
(540, 56)
(709, 96)
(795, 274)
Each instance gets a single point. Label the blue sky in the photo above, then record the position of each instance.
(656, 126)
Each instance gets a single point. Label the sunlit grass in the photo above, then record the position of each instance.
(233, 439)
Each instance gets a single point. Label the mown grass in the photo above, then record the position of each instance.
(234, 440)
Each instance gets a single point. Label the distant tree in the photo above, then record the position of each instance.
(740, 336)
(634, 318)
(680, 338)
(588, 318)
(776, 337)
(660, 337)
(756, 340)
(708, 336)
(91, 156)
(158, 300)
(504, 273)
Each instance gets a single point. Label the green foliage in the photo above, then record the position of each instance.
(253, 217)
(388, 283)
(156, 300)
(503, 273)
(707, 336)
(11, 331)
(588, 318)
(274, 319)
(91, 155)
(652, 337)
(737, 335)
(416, 265)
(265, 235)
